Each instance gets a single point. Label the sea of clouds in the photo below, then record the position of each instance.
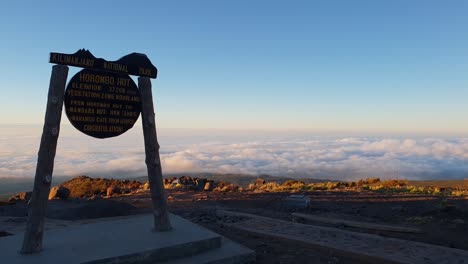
(278, 154)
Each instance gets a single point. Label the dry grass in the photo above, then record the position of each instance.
(84, 186)
(371, 184)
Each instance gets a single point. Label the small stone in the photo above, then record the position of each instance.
(297, 202)
(94, 197)
(146, 186)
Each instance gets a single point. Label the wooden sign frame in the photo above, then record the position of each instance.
(133, 64)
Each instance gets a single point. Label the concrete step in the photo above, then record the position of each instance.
(229, 253)
(121, 240)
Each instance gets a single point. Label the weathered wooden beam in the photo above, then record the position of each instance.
(153, 161)
(45, 162)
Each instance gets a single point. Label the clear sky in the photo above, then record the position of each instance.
(372, 66)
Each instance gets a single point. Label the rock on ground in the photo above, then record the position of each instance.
(113, 190)
(59, 192)
(22, 196)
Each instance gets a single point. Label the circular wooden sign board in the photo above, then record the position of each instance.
(102, 104)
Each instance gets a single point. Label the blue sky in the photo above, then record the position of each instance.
(370, 66)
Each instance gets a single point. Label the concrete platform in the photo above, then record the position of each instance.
(228, 253)
(127, 240)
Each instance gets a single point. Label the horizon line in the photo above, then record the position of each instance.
(382, 132)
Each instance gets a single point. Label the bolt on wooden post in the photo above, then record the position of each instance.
(45, 162)
(153, 161)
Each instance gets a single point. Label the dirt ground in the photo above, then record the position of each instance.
(443, 220)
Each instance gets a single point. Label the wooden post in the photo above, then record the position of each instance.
(153, 161)
(45, 162)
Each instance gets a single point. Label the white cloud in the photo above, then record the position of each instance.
(301, 156)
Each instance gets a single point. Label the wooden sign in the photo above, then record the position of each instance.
(133, 64)
(102, 104)
(101, 101)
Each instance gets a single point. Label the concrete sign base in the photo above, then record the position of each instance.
(129, 240)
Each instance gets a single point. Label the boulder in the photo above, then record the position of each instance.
(134, 185)
(200, 184)
(22, 196)
(260, 181)
(225, 187)
(59, 192)
(209, 186)
(113, 190)
(146, 186)
(168, 181)
(186, 180)
(175, 181)
(25, 196)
